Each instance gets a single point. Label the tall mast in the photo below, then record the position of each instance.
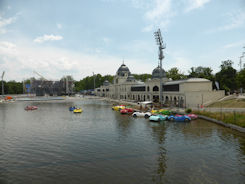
(161, 46)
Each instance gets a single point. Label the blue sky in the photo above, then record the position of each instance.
(57, 38)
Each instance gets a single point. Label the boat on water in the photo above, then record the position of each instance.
(127, 111)
(158, 118)
(179, 118)
(118, 107)
(141, 114)
(31, 107)
(72, 108)
(78, 110)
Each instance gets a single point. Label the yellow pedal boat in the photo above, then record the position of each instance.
(118, 107)
(77, 110)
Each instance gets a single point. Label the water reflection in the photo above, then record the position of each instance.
(159, 134)
(123, 124)
(53, 145)
(3, 116)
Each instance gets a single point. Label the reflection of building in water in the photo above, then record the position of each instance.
(189, 92)
(52, 88)
(159, 132)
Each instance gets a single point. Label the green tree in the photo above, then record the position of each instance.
(12, 87)
(142, 77)
(201, 72)
(69, 77)
(88, 82)
(175, 74)
(241, 79)
(227, 76)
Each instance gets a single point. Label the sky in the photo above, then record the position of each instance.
(59, 37)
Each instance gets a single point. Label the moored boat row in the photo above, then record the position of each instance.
(155, 115)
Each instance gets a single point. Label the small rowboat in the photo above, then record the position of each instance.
(72, 108)
(77, 110)
(31, 108)
(127, 111)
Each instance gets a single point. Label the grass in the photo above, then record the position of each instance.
(233, 103)
(228, 117)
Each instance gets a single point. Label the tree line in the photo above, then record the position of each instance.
(228, 78)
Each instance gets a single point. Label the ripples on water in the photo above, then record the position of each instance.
(53, 145)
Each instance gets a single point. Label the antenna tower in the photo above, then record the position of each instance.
(161, 46)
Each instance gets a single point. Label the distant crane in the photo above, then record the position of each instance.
(3, 83)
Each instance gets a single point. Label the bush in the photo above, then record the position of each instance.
(188, 110)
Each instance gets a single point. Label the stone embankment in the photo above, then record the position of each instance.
(234, 127)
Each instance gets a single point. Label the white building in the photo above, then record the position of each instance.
(190, 92)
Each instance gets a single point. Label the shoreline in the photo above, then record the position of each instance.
(135, 105)
(218, 122)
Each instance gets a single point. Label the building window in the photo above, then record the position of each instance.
(155, 88)
(148, 88)
(172, 87)
(138, 88)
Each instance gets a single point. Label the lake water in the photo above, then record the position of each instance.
(53, 145)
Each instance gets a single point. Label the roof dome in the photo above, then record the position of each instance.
(106, 83)
(122, 70)
(130, 78)
(156, 73)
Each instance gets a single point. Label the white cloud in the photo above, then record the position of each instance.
(182, 63)
(160, 15)
(161, 8)
(45, 37)
(106, 40)
(53, 63)
(235, 44)
(59, 26)
(235, 20)
(140, 4)
(4, 22)
(195, 4)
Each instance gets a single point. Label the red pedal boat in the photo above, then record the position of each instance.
(31, 107)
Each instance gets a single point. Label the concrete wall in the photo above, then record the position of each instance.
(196, 86)
(195, 99)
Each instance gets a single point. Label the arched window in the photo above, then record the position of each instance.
(148, 88)
(155, 88)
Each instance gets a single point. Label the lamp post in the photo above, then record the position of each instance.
(161, 46)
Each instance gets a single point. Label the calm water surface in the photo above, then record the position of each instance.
(53, 145)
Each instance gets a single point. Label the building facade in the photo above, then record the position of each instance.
(192, 92)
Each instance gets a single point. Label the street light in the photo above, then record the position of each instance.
(161, 46)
